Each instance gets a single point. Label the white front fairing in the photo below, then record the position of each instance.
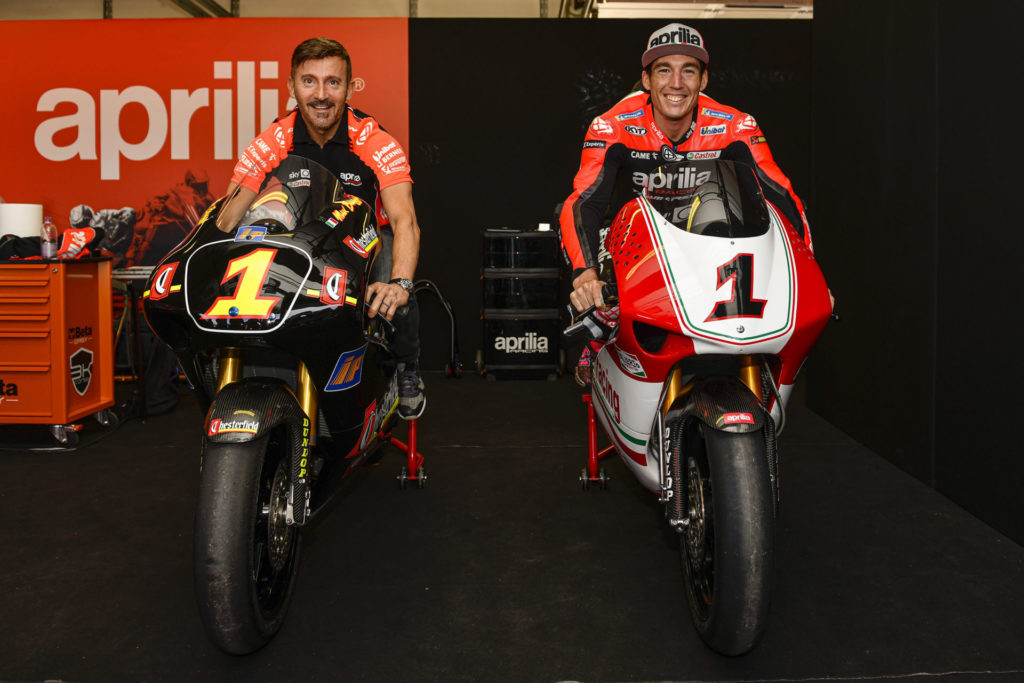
(626, 407)
(693, 266)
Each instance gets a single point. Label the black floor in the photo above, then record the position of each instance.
(501, 569)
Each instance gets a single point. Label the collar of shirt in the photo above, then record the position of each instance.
(693, 123)
(301, 133)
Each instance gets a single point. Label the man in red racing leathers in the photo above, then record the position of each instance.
(670, 120)
(371, 165)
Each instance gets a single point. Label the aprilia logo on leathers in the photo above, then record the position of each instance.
(686, 180)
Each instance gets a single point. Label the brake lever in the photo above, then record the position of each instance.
(380, 329)
(578, 324)
(584, 321)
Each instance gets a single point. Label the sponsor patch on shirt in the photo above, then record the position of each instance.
(717, 114)
(601, 127)
(353, 179)
(712, 130)
(747, 123)
(694, 156)
(757, 139)
(597, 144)
(636, 130)
(669, 154)
(631, 115)
(364, 134)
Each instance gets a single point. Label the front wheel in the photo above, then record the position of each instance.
(245, 554)
(721, 480)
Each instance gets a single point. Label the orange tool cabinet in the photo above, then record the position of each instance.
(56, 341)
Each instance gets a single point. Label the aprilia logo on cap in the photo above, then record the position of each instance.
(679, 36)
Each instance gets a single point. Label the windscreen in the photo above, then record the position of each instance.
(714, 198)
(297, 192)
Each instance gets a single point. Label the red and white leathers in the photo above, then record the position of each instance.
(624, 146)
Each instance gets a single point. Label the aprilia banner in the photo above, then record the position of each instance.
(134, 125)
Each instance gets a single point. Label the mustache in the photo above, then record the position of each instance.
(317, 103)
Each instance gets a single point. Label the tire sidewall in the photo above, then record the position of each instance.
(743, 528)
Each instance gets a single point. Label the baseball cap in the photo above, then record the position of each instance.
(675, 39)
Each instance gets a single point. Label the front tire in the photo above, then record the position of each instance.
(727, 547)
(244, 555)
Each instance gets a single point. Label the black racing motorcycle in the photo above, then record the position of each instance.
(269, 325)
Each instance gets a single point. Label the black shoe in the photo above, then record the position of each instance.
(411, 401)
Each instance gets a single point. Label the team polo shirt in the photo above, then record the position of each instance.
(361, 154)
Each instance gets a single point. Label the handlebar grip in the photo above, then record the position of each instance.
(579, 327)
(380, 328)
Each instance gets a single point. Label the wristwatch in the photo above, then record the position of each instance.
(403, 283)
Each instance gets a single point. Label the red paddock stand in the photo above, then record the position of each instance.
(591, 473)
(413, 470)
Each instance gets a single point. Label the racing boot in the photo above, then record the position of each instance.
(582, 374)
(411, 401)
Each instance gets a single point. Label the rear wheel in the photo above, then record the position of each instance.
(721, 479)
(245, 554)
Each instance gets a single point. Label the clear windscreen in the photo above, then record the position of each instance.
(297, 192)
(714, 198)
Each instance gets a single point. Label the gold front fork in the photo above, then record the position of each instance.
(676, 389)
(750, 374)
(307, 399)
(230, 365)
(231, 371)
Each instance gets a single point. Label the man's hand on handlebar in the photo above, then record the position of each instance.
(386, 299)
(596, 305)
(586, 291)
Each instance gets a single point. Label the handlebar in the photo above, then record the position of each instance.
(380, 329)
(584, 323)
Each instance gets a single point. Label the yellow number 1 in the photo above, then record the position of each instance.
(246, 301)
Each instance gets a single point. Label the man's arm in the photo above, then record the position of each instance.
(234, 209)
(261, 156)
(774, 181)
(584, 210)
(397, 201)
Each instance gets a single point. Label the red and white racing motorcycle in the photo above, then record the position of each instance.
(720, 301)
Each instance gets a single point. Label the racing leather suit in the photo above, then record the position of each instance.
(624, 146)
(366, 159)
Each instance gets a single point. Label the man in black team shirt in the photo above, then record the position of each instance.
(371, 165)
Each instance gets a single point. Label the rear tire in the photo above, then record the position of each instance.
(244, 555)
(727, 548)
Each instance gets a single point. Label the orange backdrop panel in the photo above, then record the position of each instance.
(113, 113)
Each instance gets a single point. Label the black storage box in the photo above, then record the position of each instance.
(521, 344)
(520, 249)
(520, 288)
(522, 327)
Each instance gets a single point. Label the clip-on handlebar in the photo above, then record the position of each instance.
(584, 324)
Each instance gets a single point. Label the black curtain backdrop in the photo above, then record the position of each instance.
(913, 165)
(498, 109)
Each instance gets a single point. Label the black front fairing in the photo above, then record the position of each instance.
(286, 285)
